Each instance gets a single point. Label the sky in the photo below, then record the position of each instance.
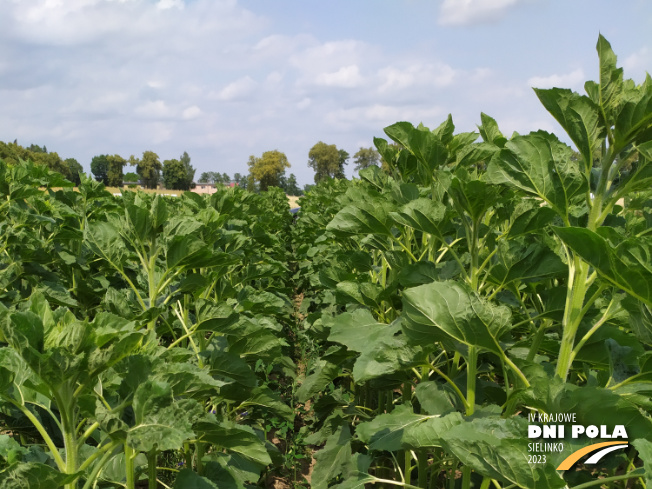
(226, 79)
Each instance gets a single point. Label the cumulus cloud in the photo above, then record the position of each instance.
(638, 63)
(380, 115)
(575, 79)
(462, 12)
(157, 109)
(345, 77)
(191, 112)
(238, 89)
(397, 78)
(313, 58)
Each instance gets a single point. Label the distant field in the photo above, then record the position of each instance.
(116, 190)
(293, 201)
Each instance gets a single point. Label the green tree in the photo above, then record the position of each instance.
(35, 148)
(366, 157)
(291, 186)
(268, 170)
(131, 177)
(237, 178)
(74, 170)
(149, 168)
(325, 160)
(344, 157)
(100, 168)
(176, 175)
(114, 174)
(188, 168)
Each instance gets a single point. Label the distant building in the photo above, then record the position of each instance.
(210, 188)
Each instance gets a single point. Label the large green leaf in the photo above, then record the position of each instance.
(473, 197)
(359, 329)
(611, 79)
(425, 145)
(234, 438)
(364, 217)
(490, 132)
(627, 265)
(644, 448)
(403, 429)
(541, 165)
(332, 460)
(382, 351)
(104, 240)
(497, 448)
(580, 118)
(161, 422)
(33, 476)
(449, 310)
(634, 115)
(188, 479)
(325, 371)
(527, 264)
(422, 214)
(356, 475)
(261, 396)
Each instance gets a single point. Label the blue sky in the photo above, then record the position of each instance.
(225, 79)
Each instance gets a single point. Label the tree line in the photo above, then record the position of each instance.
(267, 170)
(14, 152)
(175, 174)
(325, 159)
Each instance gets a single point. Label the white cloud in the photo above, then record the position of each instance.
(380, 115)
(420, 74)
(345, 77)
(167, 4)
(238, 89)
(575, 79)
(274, 78)
(313, 59)
(637, 64)
(304, 103)
(191, 112)
(153, 110)
(462, 12)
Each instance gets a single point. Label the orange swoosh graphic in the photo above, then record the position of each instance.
(575, 456)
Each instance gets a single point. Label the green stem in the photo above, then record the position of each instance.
(405, 248)
(422, 456)
(92, 477)
(61, 465)
(103, 450)
(516, 370)
(475, 255)
(598, 482)
(130, 470)
(590, 332)
(199, 454)
(471, 373)
(151, 468)
(407, 471)
(466, 477)
(578, 274)
(395, 483)
(538, 339)
(454, 386)
(88, 433)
